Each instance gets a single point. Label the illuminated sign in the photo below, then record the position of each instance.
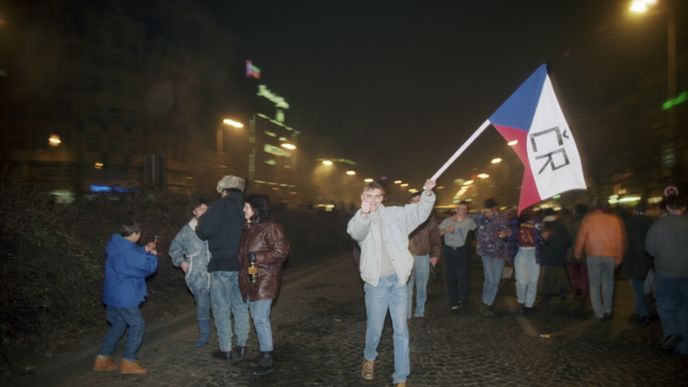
(681, 98)
(266, 93)
(275, 150)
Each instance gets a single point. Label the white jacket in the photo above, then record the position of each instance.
(397, 224)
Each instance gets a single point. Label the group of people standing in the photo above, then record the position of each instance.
(548, 250)
(231, 253)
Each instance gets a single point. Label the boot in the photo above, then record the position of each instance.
(368, 370)
(204, 329)
(131, 367)
(264, 364)
(104, 363)
(239, 354)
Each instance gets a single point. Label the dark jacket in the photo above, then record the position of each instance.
(221, 226)
(426, 240)
(126, 267)
(267, 241)
(637, 262)
(553, 250)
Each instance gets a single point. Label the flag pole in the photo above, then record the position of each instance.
(463, 147)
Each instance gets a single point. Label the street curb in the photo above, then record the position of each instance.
(58, 372)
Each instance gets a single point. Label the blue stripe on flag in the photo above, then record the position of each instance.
(518, 110)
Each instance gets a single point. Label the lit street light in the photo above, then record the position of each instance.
(327, 163)
(496, 160)
(351, 172)
(288, 146)
(54, 140)
(232, 123)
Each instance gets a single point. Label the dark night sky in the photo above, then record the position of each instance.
(399, 85)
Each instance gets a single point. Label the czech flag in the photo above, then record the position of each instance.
(532, 122)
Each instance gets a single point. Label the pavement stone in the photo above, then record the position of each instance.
(319, 330)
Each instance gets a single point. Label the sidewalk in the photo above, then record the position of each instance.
(319, 329)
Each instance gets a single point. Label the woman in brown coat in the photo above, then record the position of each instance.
(262, 251)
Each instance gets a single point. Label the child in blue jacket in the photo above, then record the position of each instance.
(126, 268)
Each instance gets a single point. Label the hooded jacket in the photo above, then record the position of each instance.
(395, 225)
(126, 267)
(187, 247)
(266, 240)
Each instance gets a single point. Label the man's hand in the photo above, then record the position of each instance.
(184, 266)
(429, 185)
(433, 261)
(151, 248)
(365, 206)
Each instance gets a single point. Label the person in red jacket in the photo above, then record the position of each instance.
(601, 237)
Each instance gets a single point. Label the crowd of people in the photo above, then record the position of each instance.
(232, 253)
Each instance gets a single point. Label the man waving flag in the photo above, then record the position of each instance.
(532, 122)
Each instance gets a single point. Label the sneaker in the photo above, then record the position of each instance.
(104, 363)
(131, 367)
(454, 308)
(368, 370)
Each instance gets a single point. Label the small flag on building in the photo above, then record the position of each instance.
(252, 71)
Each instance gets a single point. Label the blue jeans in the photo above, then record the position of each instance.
(492, 268)
(527, 271)
(419, 277)
(260, 312)
(640, 306)
(225, 296)
(388, 295)
(119, 319)
(672, 307)
(202, 299)
(601, 276)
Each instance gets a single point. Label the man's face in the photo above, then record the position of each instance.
(490, 212)
(462, 210)
(199, 210)
(373, 197)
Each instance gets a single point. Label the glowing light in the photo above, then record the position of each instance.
(413, 190)
(98, 165)
(54, 140)
(641, 6)
(483, 176)
(368, 180)
(403, 185)
(232, 123)
(512, 143)
(468, 182)
(351, 173)
(629, 199)
(327, 162)
(288, 146)
(496, 160)
(397, 181)
(655, 199)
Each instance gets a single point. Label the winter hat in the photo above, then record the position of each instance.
(229, 182)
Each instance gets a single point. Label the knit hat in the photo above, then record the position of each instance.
(229, 182)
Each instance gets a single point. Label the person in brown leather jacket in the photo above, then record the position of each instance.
(262, 251)
(601, 237)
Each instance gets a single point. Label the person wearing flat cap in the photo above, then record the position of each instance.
(221, 226)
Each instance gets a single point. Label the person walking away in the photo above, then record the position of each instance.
(576, 269)
(527, 262)
(492, 231)
(191, 254)
(385, 266)
(666, 241)
(221, 226)
(553, 257)
(601, 238)
(424, 245)
(263, 250)
(637, 262)
(126, 268)
(454, 229)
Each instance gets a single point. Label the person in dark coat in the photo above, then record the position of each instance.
(553, 257)
(637, 262)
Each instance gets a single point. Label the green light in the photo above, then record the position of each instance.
(681, 98)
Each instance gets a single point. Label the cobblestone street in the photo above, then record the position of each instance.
(319, 328)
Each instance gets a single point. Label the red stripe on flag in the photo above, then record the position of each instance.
(529, 193)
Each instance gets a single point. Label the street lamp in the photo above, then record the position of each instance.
(54, 140)
(220, 133)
